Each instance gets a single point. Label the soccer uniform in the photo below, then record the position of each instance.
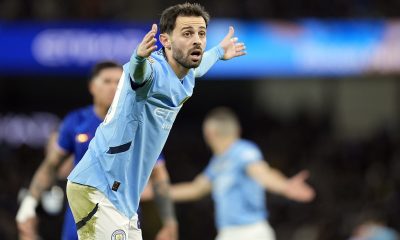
(121, 156)
(239, 200)
(75, 133)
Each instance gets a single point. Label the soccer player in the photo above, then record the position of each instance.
(76, 131)
(104, 188)
(237, 177)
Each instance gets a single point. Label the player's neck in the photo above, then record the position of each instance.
(100, 111)
(223, 145)
(179, 70)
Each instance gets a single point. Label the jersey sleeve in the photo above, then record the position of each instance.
(209, 171)
(141, 69)
(250, 154)
(210, 57)
(66, 137)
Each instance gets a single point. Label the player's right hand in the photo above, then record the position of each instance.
(26, 218)
(148, 44)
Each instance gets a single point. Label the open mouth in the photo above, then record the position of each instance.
(196, 54)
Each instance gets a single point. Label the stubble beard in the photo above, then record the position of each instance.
(185, 61)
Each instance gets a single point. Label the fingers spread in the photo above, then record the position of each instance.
(151, 43)
(151, 34)
(240, 47)
(234, 40)
(154, 28)
(149, 37)
(231, 32)
(148, 44)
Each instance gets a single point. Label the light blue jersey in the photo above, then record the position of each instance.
(239, 200)
(127, 144)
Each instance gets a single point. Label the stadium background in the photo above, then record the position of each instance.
(328, 103)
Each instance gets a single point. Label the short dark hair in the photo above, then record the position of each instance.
(169, 15)
(100, 66)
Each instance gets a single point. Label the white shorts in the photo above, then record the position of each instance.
(97, 218)
(257, 231)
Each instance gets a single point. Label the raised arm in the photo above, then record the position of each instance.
(294, 188)
(210, 57)
(43, 178)
(191, 191)
(227, 49)
(140, 69)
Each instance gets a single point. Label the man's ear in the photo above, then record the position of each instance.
(165, 40)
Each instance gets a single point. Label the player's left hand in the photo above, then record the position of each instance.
(297, 189)
(232, 48)
(168, 232)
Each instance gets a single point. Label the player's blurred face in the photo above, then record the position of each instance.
(188, 41)
(104, 86)
(209, 132)
(215, 132)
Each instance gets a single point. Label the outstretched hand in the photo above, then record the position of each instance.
(231, 46)
(297, 189)
(148, 44)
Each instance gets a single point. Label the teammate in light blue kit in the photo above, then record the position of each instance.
(104, 188)
(237, 176)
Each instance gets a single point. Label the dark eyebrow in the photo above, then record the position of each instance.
(185, 28)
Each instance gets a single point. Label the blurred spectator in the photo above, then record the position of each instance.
(249, 9)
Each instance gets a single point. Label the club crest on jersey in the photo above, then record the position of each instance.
(118, 235)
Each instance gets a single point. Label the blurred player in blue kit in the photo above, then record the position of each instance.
(237, 177)
(75, 133)
(105, 187)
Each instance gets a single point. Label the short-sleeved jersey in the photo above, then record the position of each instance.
(76, 131)
(125, 148)
(239, 200)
